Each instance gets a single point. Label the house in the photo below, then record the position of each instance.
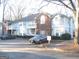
(29, 25)
(62, 24)
(25, 26)
(42, 23)
(0, 29)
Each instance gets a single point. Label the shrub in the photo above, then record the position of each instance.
(65, 36)
(55, 37)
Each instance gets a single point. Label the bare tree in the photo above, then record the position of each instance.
(20, 12)
(17, 12)
(4, 3)
(73, 5)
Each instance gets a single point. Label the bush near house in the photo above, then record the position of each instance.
(55, 37)
(65, 36)
(24, 37)
(6, 37)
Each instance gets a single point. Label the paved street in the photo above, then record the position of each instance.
(22, 49)
(37, 55)
(14, 43)
(24, 55)
(19, 43)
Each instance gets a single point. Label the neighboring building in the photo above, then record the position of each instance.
(5, 27)
(26, 26)
(29, 25)
(43, 24)
(62, 24)
(0, 29)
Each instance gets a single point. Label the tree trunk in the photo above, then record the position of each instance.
(76, 30)
(76, 18)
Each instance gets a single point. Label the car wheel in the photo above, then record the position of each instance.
(30, 41)
(40, 42)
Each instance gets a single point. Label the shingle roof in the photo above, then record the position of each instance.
(30, 17)
(62, 15)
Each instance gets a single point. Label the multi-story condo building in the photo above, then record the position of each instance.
(56, 24)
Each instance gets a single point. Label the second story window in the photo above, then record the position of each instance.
(42, 19)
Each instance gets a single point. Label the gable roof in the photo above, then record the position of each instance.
(30, 17)
(61, 15)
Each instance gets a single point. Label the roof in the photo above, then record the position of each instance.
(61, 15)
(30, 17)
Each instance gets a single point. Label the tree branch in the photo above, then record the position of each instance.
(56, 3)
(66, 5)
(11, 9)
(72, 4)
(61, 1)
(43, 6)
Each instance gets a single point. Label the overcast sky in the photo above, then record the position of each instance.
(32, 6)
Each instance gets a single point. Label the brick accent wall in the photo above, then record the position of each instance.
(43, 27)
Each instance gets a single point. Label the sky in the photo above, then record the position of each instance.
(31, 7)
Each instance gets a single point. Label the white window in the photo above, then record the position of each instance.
(42, 19)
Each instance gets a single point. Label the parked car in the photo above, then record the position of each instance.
(39, 39)
(4, 37)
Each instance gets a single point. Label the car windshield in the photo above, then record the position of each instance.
(39, 36)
